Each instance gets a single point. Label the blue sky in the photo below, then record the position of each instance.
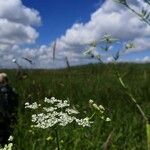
(59, 15)
(30, 28)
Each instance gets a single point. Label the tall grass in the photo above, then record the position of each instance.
(80, 84)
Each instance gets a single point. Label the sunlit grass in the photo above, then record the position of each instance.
(80, 84)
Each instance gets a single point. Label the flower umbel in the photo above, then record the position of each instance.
(56, 112)
(32, 106)
(8, 146)
(100, 109)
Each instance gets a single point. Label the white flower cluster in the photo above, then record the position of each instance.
(56, 113)
(92, 53)
(9, 146)
(32, 106)
(100, 109)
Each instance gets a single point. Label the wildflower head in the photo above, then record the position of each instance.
(8, 146)
(91, 101)
(14, 60)
(50, 138)
(100, 109)
(56, 113)
(11, 138)
(32, 106)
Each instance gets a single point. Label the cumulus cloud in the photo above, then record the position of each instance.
(146, 59)
(16, 24)
(15, 11)
(110, 59)
(110, 18)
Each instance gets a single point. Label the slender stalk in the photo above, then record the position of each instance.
(125, 87)
(57, 139)
(130, 95)
(148, 135)
(138, 14)
(137, 105)
(127, 91)
(92, 116)
(135, 12)
(108, 141)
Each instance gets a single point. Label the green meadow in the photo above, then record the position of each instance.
(80, 84)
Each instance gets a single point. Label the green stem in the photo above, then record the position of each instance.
(130, 95)
(148, 135)
(137, 105)
(92, 116)
(57, 139)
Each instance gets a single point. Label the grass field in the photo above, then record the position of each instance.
(80, 84)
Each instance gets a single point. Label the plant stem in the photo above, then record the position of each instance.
(92, 116)
(138, 14)
(108, 141)
(57, 139)
(130, 95)
(135, 12)
(148, 135)
(137, 105)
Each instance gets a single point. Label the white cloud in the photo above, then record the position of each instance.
(110, 59)
(16, 33)
(110, 18)
(16, 24)
(15, 11)
(141, 44)
(146, 59)
(17, 28)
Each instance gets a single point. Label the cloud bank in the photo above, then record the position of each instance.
(17, 24)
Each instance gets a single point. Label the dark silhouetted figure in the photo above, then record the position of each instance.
(8, 109)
